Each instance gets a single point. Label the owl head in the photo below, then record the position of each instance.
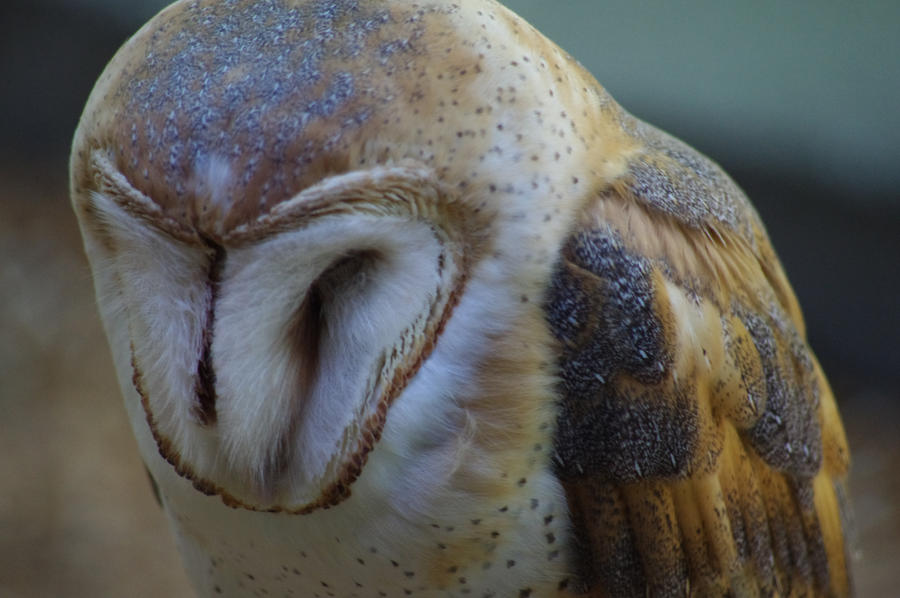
(308, 220)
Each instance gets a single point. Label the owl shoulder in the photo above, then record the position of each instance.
(697, 438)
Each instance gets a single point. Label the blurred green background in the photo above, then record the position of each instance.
(798, 101)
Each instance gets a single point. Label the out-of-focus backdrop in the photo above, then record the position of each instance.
(799, 101)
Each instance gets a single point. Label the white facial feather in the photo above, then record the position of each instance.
(262, 394)
(159, 296)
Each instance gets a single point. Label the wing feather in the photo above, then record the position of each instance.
(698, 441)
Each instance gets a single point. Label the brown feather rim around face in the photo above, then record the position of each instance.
(338, 490)
(405, 190)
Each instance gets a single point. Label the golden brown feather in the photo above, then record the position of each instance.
(699, 443)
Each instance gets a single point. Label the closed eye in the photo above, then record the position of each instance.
(339, 283)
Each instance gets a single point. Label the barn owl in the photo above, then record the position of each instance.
(402, 303)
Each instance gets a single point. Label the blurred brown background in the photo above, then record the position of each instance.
(798, 101)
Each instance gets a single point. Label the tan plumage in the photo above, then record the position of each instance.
(733, 481)
(402, 303)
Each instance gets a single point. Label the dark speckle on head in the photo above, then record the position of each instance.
(256, 91)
